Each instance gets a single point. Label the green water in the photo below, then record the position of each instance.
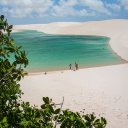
(48, 52)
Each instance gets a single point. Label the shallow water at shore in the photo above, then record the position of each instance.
(48, 52)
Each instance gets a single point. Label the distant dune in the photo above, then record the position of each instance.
(116, 30)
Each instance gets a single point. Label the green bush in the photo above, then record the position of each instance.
(16, 114)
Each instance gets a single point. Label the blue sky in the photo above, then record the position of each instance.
(47, 11)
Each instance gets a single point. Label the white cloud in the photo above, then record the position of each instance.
(115, 7)
(126, 8)
(27, 3)
(43, 8)
(68, 2)
(125, 4)
(23, 8)
(4, 11)
(96, 5)
(67, 8)
(85, 13)
(59, 11)
(20, 12)
(63, 10)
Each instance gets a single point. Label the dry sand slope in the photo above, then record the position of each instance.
(103, 90)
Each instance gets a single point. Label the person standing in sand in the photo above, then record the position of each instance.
(70, 66)
(76, 65)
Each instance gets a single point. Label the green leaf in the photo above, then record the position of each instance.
(19, 78)
(103, 120)
(2, 17)
(19, 47)
(72, 117)
(97, 121)
(57, 111)
(92, 117)
(8, 55)
(25, 74)
(50, 101)
(78, 114)
(87, 118)
(51, 108)
(4, 119)
(88, 124)
(48, 110)
(10, 27)
(69, 112)
(26, 103)
(15, 76)
(6, 125)
(43, 106)
(46, 100)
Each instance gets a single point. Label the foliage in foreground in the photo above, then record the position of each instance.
(14, 113)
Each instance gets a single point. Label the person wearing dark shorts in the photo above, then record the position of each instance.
(70, 66)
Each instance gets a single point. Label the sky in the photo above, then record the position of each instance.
(47, 11)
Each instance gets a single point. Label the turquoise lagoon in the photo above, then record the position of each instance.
(47, 52)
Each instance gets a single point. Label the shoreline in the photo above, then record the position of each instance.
(126, 61)
(63, 70)
(16, 31)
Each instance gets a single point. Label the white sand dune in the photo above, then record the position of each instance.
(103, 90)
